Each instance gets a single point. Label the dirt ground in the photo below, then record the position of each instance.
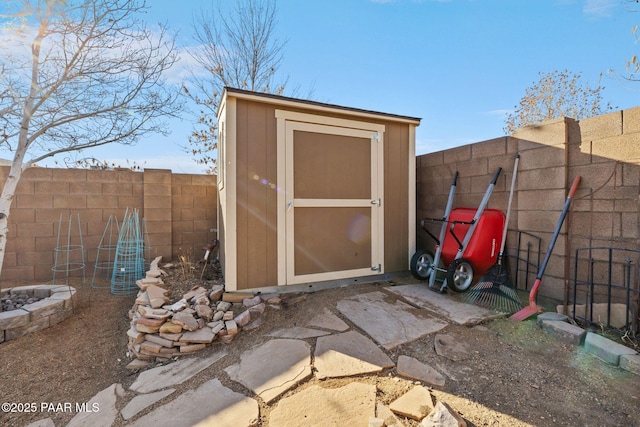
(516, 374)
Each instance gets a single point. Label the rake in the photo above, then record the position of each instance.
(494, 289)
(534, 308)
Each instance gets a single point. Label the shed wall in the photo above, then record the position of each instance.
(256, 198)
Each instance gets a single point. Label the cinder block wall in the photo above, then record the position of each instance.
(604, 150)
(179, 211)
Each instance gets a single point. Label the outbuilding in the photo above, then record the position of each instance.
(311, 192)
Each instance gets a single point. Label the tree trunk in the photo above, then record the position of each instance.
(8, 194)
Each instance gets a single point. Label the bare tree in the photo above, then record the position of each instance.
(76, 74)
(239, 50)
(557, 94)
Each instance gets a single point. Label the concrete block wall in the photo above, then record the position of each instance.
(46, 199)
(604, 150)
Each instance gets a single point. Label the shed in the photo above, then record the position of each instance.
(311, 192)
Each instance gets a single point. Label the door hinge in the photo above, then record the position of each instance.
(376, 202)
(376, 137)
(376, 267)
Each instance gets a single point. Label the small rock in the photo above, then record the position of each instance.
(243, 318)
(216, 292)
(142, 298)
(201, 299)
(196, 290)
(151, 347)
(157, 296)
(179, 306)
(443, 416)
(228, 315)
(204, 311)
(147, 329)
(216, 327)
(150, 322)
(250, 302)
(258, 309)
(153, 313)
(191, 348)
(170, 328)
(413, 368)
(232, 327)
(217, 315)
(201, 336)
(171, 336)
(414, 404)
(223, 306)
(186, 320)
(159, 340)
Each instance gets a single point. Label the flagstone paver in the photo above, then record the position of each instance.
(142, 402)
(348, 353)
(388, 323)
(454, 311)
(173, 373)
(210, 404)
(413, 368)
(351, 405)
(273, 368)
(100, 410)
(328, 320)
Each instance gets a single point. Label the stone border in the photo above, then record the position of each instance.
(56, 306)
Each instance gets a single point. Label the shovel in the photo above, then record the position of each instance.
(534, 308)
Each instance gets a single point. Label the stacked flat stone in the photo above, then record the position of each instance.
(162, 329)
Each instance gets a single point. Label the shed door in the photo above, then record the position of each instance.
(334, 196)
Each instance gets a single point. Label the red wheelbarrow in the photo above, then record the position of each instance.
(468, 248)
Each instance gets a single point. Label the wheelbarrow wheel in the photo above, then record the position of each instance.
(422, 264)
(460, 275)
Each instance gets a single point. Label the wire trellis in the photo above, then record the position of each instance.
(105, 255)
(129, 261)
(69, 255)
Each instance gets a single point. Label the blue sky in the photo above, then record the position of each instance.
(460, 65)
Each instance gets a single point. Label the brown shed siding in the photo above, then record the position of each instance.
(396, 197)
(256, 194)
(256, 201)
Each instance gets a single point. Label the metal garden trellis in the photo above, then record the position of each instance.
(129, 260)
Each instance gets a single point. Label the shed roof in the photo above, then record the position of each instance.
(314, 105)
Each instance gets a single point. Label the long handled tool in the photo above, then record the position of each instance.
(533, 308)
(494, 289)
(424, 264)
(443, 230)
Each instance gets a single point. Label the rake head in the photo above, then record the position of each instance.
(494, 295)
